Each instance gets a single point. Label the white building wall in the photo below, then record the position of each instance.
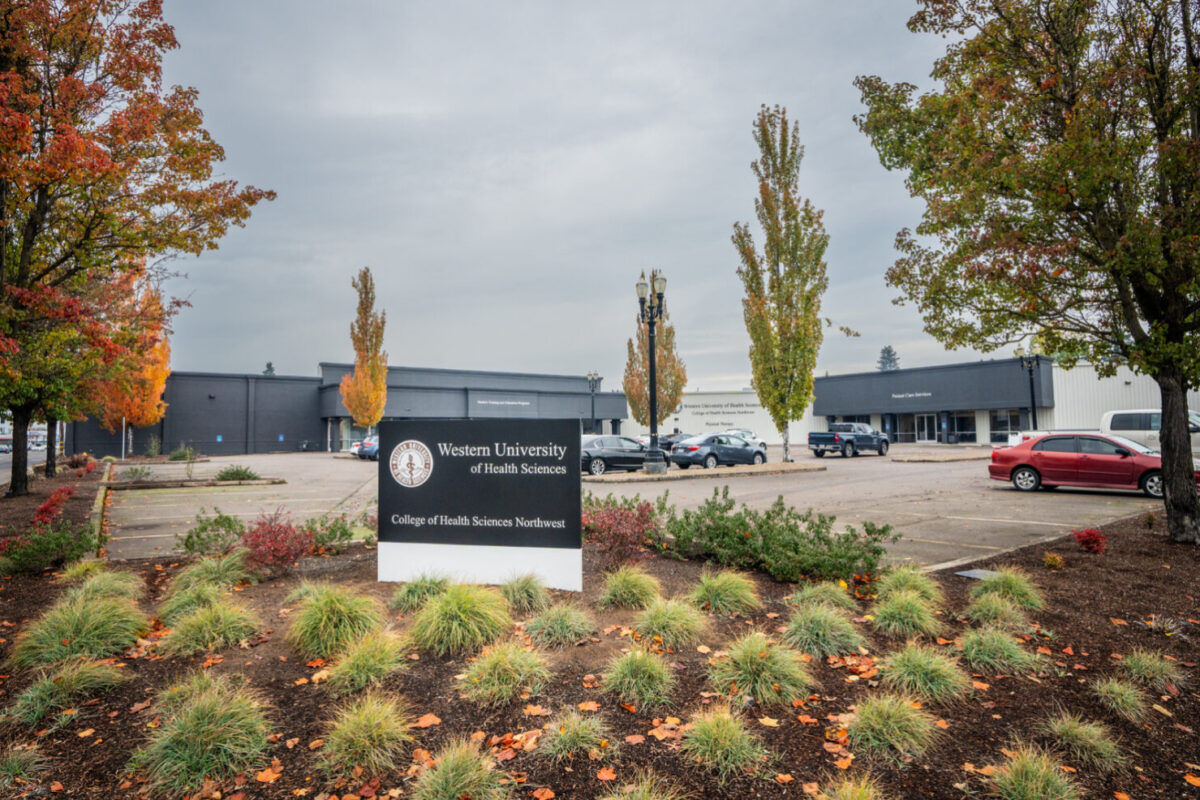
(704, 412)
(1081, 396)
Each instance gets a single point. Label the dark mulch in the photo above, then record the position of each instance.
(1139, 579)
(16, 513)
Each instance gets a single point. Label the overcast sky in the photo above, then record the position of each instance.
(508, 169)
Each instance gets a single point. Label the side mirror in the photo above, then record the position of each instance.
(1123, 453)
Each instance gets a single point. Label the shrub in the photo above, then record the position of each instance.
(460, 770)
(891, 726)
(860, 788)
(574, 735)
(1053, 561)
(369, 732)
(211, 627)
(1122, 698)
(182, 453)
(1012, 584)
(525, 594)
(926, 673)
(1091, 540)
(719, 742)
(461, 618)
(61, 687)
(758, 669)
(996, 610)
(995, 650)
(1030, 774)
(274, 543)
(50, 510)
(824, 593)
(905, 613)
(639, 676)
(670, 623)
(134, 474)
(153, 447)
(47, 546)
(411, 596)
(216, 534)
(236, 472)
(83, 568)
(725, 592)
(1087, 742)
(629, 587)
(822, 631)
(123, 585)
(620, 534)
(367, 662)
(331, 619)
(1152, 669)
(502, 672)
(93, 628)
(559, 626)
(184, 602)
(330, 533)
(912, 579)
(647, 786)
(222, 571)
(210, 730)
(19, 765)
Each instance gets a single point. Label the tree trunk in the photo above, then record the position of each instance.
(51, 447)
(19, 484)
(786, 445)
(1179, 470)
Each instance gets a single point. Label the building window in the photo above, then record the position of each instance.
(1004, 422)
(863, 418)
(906, 428)
(963, 426)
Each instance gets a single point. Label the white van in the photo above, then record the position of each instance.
(1142, 426)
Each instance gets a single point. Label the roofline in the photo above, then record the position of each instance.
(446, 371)
(244, 375)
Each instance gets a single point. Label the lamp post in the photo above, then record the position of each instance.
(593, 379)
(1030, 362)
(650, 310)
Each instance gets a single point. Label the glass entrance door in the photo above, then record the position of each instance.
(926, 428)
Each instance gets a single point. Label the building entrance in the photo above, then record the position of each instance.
(926, 428)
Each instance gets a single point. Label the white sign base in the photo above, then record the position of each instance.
(557, 567)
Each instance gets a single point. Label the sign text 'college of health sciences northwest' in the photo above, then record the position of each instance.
(480, 500)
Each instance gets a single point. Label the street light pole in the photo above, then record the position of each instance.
(593, 384)
(649, 312)
(1030, 362)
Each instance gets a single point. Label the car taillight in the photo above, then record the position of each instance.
(836, 438)
(693, 448)
(994, 454)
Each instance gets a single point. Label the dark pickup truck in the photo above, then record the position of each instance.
(847, 438)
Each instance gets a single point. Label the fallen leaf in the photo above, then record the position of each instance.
(1116, 621)
(55, 786)
(316, 744)
(426, 721)
(300, 681)
(543, 794)
(989, 770)
(1162, 710)
(86, 733)
(535, 711)
(136, 707)
(268, 775)
(589, 705)
(805, 719)
(784, 777)
(981, 686)
(290, 743)
(843, 763)
(634, 738)
(606, 774)
(1065, 768)
(1192, 779)
(1046, 651)
(813, 789)
(506, 754)
(1120, 796)
(320, 676)
(630, 707)
(941, 723)
(770, 722)
(832, 747)
(703, 649)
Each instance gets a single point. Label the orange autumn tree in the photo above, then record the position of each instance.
(364, 391)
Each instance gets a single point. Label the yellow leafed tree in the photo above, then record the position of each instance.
(364, 391)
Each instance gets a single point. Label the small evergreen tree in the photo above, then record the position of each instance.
(888, 360)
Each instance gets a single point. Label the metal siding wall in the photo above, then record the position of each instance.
(287, 407)
(1083, 396)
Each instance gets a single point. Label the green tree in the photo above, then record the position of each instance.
(888, 360)
(1058, 164)
(785, 282)
(269, 370)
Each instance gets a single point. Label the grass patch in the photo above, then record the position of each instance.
(330, 619)
(1122, 698)
(757, 668)
(671, 623)
(369, 732)
(647, 786)
(211, 729)
(573, 735)
(629, 587)
(996, 651)
(462, 771)
(859, 788)
(83, 568)
(367, 662)
(559, 626)
(1014, 584)
(185, 601)
(910, 579)
(719, 742)
(503, 672)
(123, 585)
(211, 627)
(411, 596)
(1089, 743)
(725, 592)
(59, 688)
(1031, 774)
(304, 591)
(90, 628)
(905, 613)
(19, 765)
(996, 610)
(461, 618)
(641, 677)
(1152, 669)
(822, 630)
(824, 593)
(236, 472)
(223, 571)
(525, 594)
(926, 673)
(890, 726)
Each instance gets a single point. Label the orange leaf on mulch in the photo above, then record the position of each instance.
(426, 721)
(606, 774)
(268, 775)
(843, 763)
(55, 786)
(630, 707)
(813, 789)
(1120, 796)
(634, 738)
(1192, 779)
(1116, 621)
(535, 711)
(941, 723)
(981, 686)
(784, 777)
(589, 705)
(542, 794)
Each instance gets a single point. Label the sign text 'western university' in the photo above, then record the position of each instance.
(480, 500)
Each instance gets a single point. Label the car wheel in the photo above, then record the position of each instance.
(883, 447)
(1152, 484)
(710, 461)
(819, 453)
(1026, 479)
(848, 451)
(597, 467)
(758, 458)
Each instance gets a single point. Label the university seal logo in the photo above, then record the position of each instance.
(411, 463)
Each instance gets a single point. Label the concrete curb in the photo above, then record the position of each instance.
(192, 484)
(939, 459)
(965, 560)
(96, 519)
(701, 473)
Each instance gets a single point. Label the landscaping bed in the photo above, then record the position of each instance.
(17, 513)
(1097, 608)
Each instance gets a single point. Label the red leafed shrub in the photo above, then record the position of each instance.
(620, 533)
(274, 542)
(1091, 540)
(49, 510)
(79, 473)
(90, 468)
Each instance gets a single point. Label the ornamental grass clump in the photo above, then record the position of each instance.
(925, 673)
(1013, 584)
(725, 592)
(997, 611)
(18, 765)
(1088, 743)
(525, 594)
(671, 623)
(995, 651)
(61, 687)
(574, 736)
(503, 672)
(1151, 669)
(83, 568)
(183, 602)
(859, 788)
(639, 676)
(367, 662)
(79, 628)
(1031, 774)
(822, 630)
(123, 585)
(755, 668)
(370, 732)
(911, 579)
(412, 596)
(461, 770)
(629, 587)
(824, 593)
(648, 786)
(460, 619)
(1122, 698)
(560, 626)
(892, 727)
(721, 744)
(331, 619)
(211, 627)
(222, 571)
(905, 613)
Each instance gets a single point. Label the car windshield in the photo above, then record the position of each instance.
(1134, 446)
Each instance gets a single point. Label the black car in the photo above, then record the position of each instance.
(603, 453)
(716, 449)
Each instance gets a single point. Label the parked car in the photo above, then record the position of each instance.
(369, 449)
(847, 438)
(665, 441)
(715, 449)
(599, 454)
(748, 435)
(1081, 459)
(5, 448)
(354, 446)
(1142, 426)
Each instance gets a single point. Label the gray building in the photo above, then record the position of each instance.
(224, 414)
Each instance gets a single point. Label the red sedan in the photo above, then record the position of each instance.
(1079, 459)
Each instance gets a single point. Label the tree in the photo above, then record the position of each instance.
(364, 391)
(102, 171)
(784, 283)
(270, 370)
(1057, 161)
(888, 360)
(671, 373)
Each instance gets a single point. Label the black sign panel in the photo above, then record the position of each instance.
(499, 482)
